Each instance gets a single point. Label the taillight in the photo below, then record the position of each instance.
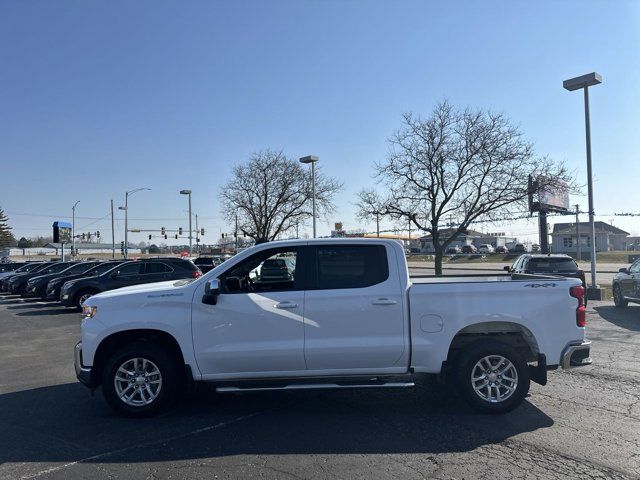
(581, 311)
(196, 274)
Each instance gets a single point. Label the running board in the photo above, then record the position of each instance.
(315, 386)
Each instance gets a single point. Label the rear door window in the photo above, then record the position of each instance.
(129, 269)
(349, 266)
(157, 267)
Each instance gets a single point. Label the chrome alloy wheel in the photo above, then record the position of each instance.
(84, 298)
(138, 382)
(494, 378)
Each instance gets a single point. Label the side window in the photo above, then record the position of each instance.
(129, 269)
(157, 267)
(349, 266)
(635, 268)
(273, 270)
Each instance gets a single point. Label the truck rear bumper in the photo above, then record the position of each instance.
(576, 355)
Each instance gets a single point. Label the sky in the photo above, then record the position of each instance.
(98, 98)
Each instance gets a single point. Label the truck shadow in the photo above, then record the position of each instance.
(622, 317)
(64, 423)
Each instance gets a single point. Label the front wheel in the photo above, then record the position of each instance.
(492, 377)
(618, 299)
(140, 380)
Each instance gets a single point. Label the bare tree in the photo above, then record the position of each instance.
(271, 193)
(467, 165)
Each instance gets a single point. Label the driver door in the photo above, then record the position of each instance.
(257, 326)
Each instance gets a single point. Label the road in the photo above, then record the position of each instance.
(604, 273)
(584, 424)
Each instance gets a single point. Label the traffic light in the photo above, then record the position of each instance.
(163, 231)
(149, 236)
(122, 246)
(176, 236)
(83, 236)
(202, 231)
(165, 236)
(179, 231)
(197, 240)
(98, 234)
(223, 235)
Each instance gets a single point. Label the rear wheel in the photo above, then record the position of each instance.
(140, 380)
(492, 377)
(618, 299)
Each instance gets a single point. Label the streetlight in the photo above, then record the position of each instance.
(188, 192)
(126, 218)
(584, 82)
(73, 230)
(312, 160)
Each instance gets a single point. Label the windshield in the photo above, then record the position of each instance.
(79, 268)
(552, 265)
(102, 268)
(54, 268)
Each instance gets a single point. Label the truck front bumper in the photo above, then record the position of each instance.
(576, 355)
(82, 373)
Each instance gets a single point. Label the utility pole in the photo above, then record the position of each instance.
(73, 230)
(197, 235)
(378, 224)
(579, 249)
(113, 234)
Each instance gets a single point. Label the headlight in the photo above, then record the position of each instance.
(89, 312)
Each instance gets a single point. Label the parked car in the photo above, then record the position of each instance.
(559, 265)
(535, 247)
(454, 250)
(18, 284)
(22, 268)
(205, 264)
(350, 317)
(75, 292)
(10, 266)
(6, 276)
(37, 286)
(501, 249)
(626, 285)
(55, 285)
(469, 249)
(485, 248)
(519, 248)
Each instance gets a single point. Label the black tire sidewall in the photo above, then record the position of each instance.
(618, 302)
(468, 359)
(165, 363)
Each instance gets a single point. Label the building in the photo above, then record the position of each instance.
(564, 238)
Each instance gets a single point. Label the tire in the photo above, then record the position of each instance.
(618, 299)
(81, 297)
(145, 398)
(475, 361)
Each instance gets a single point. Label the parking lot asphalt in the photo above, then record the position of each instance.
(584, 424)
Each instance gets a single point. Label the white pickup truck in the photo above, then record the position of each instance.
(334, 313)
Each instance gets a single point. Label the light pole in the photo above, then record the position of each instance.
(312, 160)
(584, 82)
(188, 192)
(126, 218)
(73, 230)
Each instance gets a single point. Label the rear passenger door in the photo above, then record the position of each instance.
(157, 272)
(127, 274)
(353, 312)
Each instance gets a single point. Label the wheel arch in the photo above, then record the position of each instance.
(513, 334)
(117, 340)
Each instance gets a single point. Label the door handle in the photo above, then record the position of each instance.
(286, 305)
(383, 301)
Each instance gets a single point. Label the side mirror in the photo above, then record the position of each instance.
(506, 268)
(624, 270)
(211, 292)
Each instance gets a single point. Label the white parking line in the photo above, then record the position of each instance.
(147, 444)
